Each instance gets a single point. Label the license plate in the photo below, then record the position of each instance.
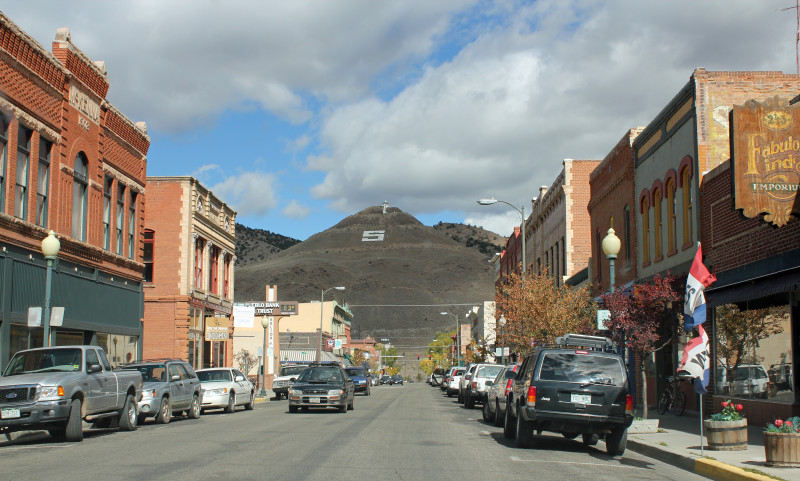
(313, 400)
(9, 413)
(581, 398)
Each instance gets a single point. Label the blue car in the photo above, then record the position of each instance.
(362, 379)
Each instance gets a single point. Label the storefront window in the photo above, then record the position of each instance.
(754, 350)
(120, 349)
(23, 337)
(196, 337)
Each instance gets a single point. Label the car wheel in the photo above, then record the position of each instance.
(343, 408)
(164, 411)
(74, 427)
(58, 432)
(352, 404)
(488, 416)
(509, 425)
(292, 409)
(129, 415)
(460, 397)
(499, 418)
(590, 439)
(468, 402)
(524, 435)
(616, 442)
(194, 411)
(249, 406)
(231, 407)
(570, 435)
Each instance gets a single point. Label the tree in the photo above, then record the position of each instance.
(245, 360)
(536, 310)
(644, 321)
(738, 334)
(358, 357)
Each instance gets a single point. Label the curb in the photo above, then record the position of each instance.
(705, 467)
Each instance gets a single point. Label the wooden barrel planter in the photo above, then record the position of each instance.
(726, 435)
(782, 449)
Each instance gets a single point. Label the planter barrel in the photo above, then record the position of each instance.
(726, 435)
(782, 449)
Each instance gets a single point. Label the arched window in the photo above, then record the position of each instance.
(686, 180)
(80, 200)
(645, 209)
(657, 224)
(671, 213)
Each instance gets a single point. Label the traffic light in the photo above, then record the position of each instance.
(430, 357)
(417, 357)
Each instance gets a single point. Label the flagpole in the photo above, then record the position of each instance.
(701, 425)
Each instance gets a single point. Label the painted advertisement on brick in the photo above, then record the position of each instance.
(766, 159)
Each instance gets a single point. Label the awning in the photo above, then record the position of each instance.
(307, 355)
(754, 288)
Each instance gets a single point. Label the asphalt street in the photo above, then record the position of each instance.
(410, 432)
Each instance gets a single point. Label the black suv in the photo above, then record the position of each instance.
(577, 387)
(322, 385)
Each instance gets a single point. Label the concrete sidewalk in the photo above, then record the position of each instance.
(678, 443)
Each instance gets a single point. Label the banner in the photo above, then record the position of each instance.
(696, 361)
(694, 305)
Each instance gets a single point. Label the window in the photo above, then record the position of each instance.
(107, 186)
(213, 269)
(120, 215)
(147, 256)
(627, 233)
(563, 256)
(600, 255)
(657, 223)
(23, 163)
(671, 227)
(132, 225)
(80, 184)
(686, 177)
(3, 156)
(226, 277)
(645, 208)
(198, 263)
(557, 264)
(43, 181)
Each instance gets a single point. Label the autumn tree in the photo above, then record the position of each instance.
(358, 357)
(245, 360)
(644, 320)
(738, 334)
(536, 310)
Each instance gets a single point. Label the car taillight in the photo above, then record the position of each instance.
(629, 404)
(508, 386)
(532, 395)
(474, 385)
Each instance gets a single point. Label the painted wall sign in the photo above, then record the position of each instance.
(217, 328)
(766, 159)
(283, 308)
(373, 236)
(84, 104)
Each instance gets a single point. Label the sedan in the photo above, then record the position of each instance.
(225, 388)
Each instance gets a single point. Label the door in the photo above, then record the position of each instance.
(242, 387)
(177, 387)
(100, 387)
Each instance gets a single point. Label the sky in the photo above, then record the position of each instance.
(300, 113)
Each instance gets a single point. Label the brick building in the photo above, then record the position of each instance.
(558, 237)
(754, 248)
(70, 163)
(189, 248)
(613, 201)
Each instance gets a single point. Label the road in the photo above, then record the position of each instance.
(410, 432)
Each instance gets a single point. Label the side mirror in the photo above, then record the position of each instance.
(468, 376)
(238, 378)
(293, 379)
(489, 383)
(92, 368)
(176, 377)
(511, 375)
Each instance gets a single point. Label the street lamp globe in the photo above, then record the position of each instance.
(51, 246)
(611, 243)
(487, 201)
(265, 322)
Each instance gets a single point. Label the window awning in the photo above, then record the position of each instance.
(747, 290)
(306, 355)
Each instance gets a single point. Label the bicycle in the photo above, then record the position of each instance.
(672, 399)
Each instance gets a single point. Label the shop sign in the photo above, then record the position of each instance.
(217, 328)
(284, 308)
(766, 159)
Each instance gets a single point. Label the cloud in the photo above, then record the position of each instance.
(249, 193)
(294, 210)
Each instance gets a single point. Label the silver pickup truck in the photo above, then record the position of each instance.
(55, 388)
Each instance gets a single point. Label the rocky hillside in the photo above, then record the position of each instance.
(255, 245)
(486, 242)
(399, 275)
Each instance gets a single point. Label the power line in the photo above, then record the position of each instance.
(412, 305)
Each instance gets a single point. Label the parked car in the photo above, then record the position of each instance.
(436, 376)
(749, 380)
(286, 377)
(322, 385)
(576, 387)
(225, 388)
(451, 388)
(494, 409)
(362, 379)
(476, 388)
(57, 388)
(463, 382)
(396, 379)
(385, 379)
(170, 387)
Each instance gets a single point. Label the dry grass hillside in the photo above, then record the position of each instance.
(397, 284)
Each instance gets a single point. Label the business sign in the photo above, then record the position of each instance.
(284, 308)
(243, 315)
(603, 316)
(217, 329)
(766, 159)
(329, 343)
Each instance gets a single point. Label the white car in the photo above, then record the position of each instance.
(286, 376)
(454, 378)
(475, 391)
(225, 388)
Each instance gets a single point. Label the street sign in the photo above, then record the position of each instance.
(34, 317)
(603, 315)
(285, 308)
(385, 339)
(57, 316)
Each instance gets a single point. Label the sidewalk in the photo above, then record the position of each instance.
(678, 443)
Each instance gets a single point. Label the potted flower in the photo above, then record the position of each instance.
(727, 429)
(782, 442)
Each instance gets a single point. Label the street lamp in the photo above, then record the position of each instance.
(264, 324)
(611, 245)
(50, 248)
(458, 344)
(321, 309)
(493, 201)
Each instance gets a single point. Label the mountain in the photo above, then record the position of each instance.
(485, 241)
(399, 275)
(253, 245)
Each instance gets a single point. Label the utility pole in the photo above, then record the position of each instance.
(796, 33)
